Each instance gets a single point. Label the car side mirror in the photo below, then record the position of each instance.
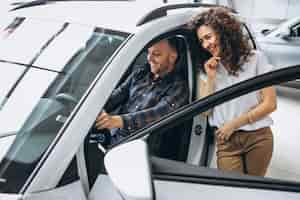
(129, 168)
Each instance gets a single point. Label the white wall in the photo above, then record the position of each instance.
(277, 9)
(263, 13)
(4, 6)
(294, 8)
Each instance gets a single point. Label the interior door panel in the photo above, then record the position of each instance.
(198, 142)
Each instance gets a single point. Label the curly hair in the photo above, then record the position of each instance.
(235, 47)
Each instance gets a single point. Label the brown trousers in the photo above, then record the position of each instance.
(247, 152)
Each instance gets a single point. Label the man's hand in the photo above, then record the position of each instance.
(104, 120)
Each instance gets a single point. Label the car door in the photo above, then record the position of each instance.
(178, 180)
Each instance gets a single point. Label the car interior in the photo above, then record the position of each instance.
(84, 66)
(159, 143)
(179, 135)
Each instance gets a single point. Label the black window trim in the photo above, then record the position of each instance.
(250, 34)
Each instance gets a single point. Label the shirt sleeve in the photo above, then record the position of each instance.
(176, 97)
(119, 94)
(263, 65)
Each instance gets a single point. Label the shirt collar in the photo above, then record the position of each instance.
(168, 77)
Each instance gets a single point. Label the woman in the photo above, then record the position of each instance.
(244, 137)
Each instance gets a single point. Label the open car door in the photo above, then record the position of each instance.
(178, 180)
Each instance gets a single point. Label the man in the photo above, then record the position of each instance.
(146, 95)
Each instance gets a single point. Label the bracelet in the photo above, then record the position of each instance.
(250, 117)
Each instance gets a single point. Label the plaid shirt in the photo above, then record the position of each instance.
(144, 100)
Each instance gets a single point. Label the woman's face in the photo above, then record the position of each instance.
(209, 39)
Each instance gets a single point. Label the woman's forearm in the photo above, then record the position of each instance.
(206, 88)
(266, 107)
(263, 109)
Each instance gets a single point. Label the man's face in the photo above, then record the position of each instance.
(161, 58)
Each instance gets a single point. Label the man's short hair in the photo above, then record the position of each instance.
(174, 44)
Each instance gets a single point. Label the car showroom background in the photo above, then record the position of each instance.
(255, 10)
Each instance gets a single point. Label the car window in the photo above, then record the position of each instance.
(295, 31)
(156, 98)
(37, 115)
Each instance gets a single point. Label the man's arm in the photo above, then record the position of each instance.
(176, 97)
(119, 95)
(105, 120)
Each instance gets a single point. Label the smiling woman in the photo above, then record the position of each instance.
(246, 118)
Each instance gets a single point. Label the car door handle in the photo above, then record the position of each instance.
(198, 129)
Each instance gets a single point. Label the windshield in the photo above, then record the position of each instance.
(46, 69)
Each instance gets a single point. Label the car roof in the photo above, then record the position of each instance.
(126, 16)
(117, 15)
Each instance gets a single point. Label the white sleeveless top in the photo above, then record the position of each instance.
(257, 64)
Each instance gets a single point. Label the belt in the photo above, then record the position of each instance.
(243, 131)
(238, 130)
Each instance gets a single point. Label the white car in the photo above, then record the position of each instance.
(60, 62)
(282, 44)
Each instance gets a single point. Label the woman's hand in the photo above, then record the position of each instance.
(224, 133)
(210, 67)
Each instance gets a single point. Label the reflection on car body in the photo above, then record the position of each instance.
(282, 44)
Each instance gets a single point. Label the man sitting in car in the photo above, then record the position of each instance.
(148, 93)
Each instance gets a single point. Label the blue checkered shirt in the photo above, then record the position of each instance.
(143, 100)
